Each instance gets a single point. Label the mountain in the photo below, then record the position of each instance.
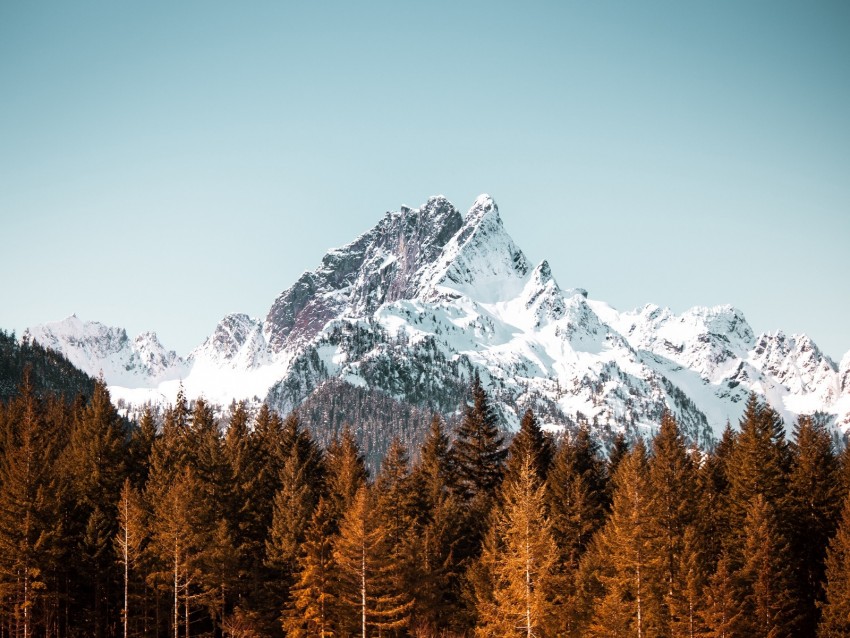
(415, 305)
(49, 371)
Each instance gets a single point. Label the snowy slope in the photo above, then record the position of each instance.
(419, 302)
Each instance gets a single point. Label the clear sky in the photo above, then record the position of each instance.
(163, 164)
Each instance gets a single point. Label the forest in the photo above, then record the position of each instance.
(183, 523)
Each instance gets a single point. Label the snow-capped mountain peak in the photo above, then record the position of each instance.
(427, 296)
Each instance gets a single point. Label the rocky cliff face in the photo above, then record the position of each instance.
(428, 296)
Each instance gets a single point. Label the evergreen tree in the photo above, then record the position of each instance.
(141, 444)
(439, 526)
(815, 494)
(366, 574)
(179, 529)
(630, 558)
(396, 506)
(529, 442)
(346, 472)
(128, 541)
(30, 525)
(723, 615)
(517, 598)
(478, 449)
(95, 462)
(617, 452)
(835, 607)
(312, 610)
(672, 481)
(768, 604)
(757, 465)
(576, 498)
(293, 508)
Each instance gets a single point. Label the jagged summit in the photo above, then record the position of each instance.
(427, 296)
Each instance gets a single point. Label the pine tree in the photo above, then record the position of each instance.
(768, 603)
(293, 508)
(478, 448)
(576, 498)
(518, 593)
(815, 494)
(95, 463)
(367, 594)
(346, 472)
(312, 610)
(835, 607)
(723, 615)
(672, 513)
(141, 445)
(439, 527)
(630, 560)
(178, 534)
(758, 463)
(128, 541)
(30, 526)
(529, 441)
(397, 505)
(617, 452)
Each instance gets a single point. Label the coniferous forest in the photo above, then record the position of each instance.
(188, 524)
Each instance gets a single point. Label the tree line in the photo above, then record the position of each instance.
(187, 525)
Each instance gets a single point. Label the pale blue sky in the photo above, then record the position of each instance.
(163, 164)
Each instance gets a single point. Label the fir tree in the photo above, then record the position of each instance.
(576, 498)
(815, 494)
(518, 595)
(723, 615)
(312, 610)
(671, 477)
(478, 448)
(767, 602)
(179, 530)
(293, 508)
(346, 472)
(128, 541)
(439, 527)
(630, 561)
(30, 528)
(366, 574)
(758, 463)
(835, 607)
(530, 442)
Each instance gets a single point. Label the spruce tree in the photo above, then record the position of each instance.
(293, 509)
(517, 597)
(439, 526)
(758, 463)
(367, 593)
(95, 462)
(312, 608)
(630, 557)
(576, 498)
(346, 472)
(816, 495)
(672, 513)
(179, 530)
(768, 603)
(132, 532)
(530, 442)
(478, 449)
(835, 607)
(30, 525)
(723, 614)
(396, 508)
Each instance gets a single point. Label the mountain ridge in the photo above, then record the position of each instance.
(416, 304)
